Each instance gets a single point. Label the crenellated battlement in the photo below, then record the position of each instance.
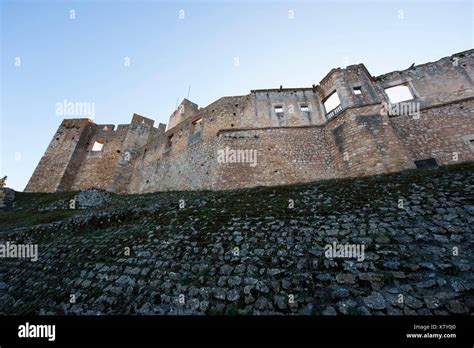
(350, 124)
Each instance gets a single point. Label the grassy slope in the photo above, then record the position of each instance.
(323, 197)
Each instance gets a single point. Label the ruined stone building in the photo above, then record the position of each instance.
(350, 124)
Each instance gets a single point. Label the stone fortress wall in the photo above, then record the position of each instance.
(294, 134)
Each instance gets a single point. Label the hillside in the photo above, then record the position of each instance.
(248, 251)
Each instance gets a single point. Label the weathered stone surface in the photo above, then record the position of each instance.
(375, 301)
(125, 280)
(346, 278)
(364, 135)
(142, 254)
(91, 198)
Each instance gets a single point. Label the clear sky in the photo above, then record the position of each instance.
(218, 48)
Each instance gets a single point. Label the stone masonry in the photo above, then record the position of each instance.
(276, 136)
(248, 252)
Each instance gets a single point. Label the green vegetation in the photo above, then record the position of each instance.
(209, 210)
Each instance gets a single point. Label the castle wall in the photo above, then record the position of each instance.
(446, 80)
(280, 156)
(363, 142)
(440, 133)
(190, 161)
(296, 144)
(97, 167)
(261, 109)
(184, 111)
(184, 170)
(223, 113)
(138, 135)
(58, 166)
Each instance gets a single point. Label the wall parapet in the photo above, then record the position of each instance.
(334, 129)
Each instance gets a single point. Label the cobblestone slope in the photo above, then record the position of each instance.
(254, 251)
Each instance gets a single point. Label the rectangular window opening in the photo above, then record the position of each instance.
(331, 102)
(398, 93)
(196, 126)
(304, 107)
(357, 90)
(98, 145)
(278, 109)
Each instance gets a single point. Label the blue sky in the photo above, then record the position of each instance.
(83, 59)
